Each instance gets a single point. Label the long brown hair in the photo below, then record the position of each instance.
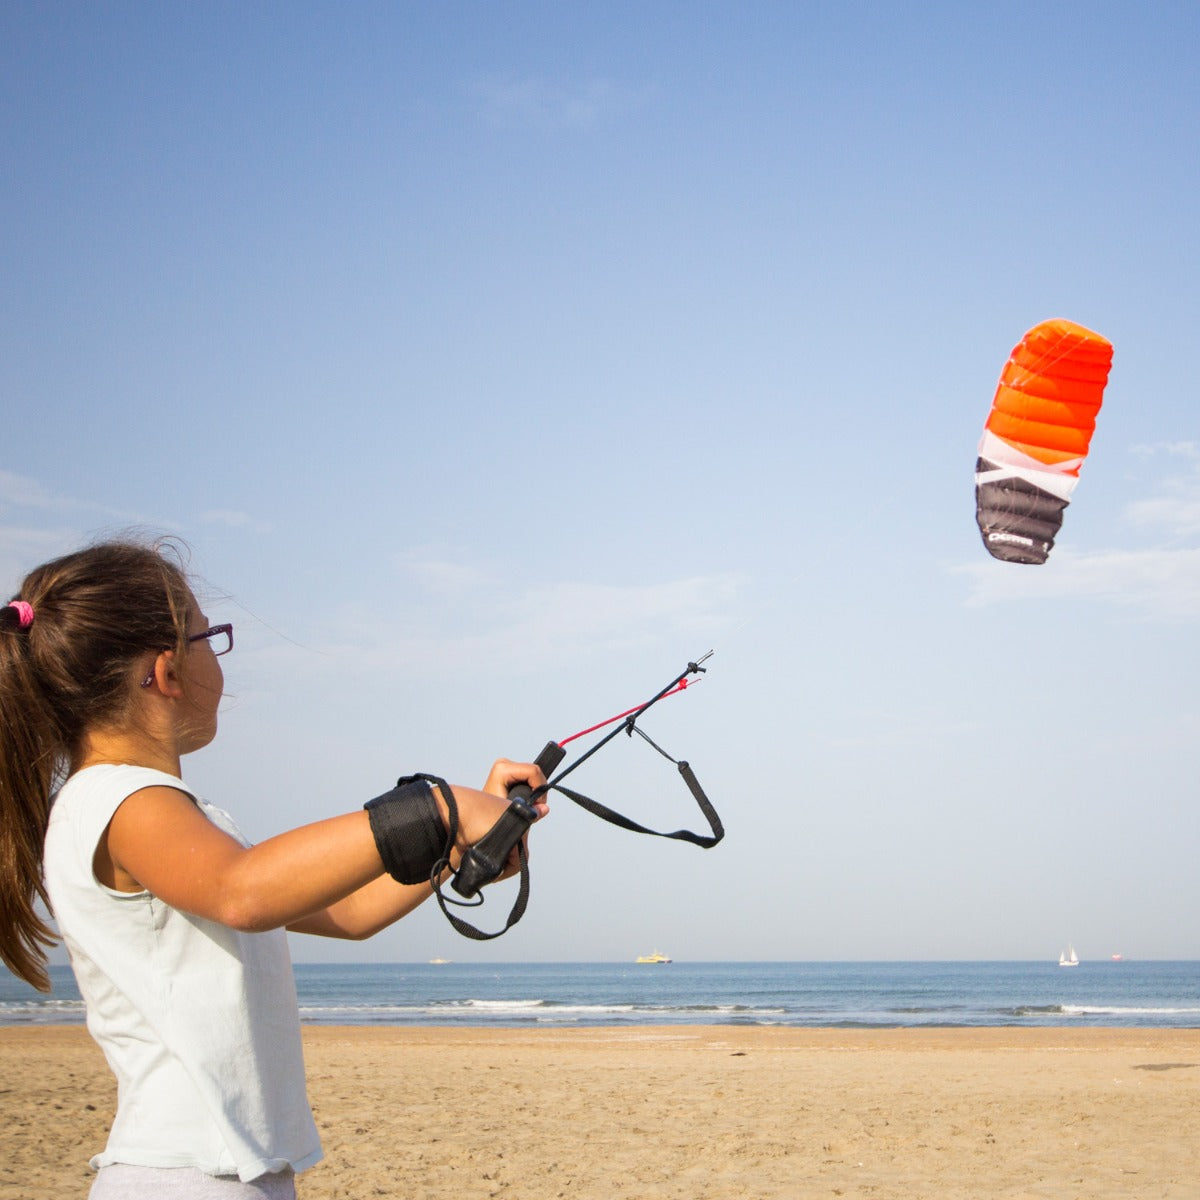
(67, 653)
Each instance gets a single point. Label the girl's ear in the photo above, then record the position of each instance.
(164, 676)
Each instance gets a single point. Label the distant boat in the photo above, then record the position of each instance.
(656, 957)
(1068, 958)
(1118, 957)
(438, 962)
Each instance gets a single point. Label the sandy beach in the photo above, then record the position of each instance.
(695, 1113)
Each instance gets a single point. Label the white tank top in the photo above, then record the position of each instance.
(199, 1022)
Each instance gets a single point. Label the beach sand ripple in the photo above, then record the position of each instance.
(703, 1113)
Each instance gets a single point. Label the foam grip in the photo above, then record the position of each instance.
(552, 754)
(485, 860)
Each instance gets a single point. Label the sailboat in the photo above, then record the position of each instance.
(1068, 958)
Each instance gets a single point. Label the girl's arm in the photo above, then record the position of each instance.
(365, 912)
(307, 878)
(383, 901)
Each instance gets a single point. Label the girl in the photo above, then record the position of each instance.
(109, 675)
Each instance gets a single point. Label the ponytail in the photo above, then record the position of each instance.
(68, 645)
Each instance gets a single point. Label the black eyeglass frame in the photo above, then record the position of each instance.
(215, 631)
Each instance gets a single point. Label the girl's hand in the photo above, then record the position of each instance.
(504, 775)
(479, 811)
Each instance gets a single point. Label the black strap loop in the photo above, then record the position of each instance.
(705, 841)
(465, 927)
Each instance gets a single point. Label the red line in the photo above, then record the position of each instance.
(620, 716)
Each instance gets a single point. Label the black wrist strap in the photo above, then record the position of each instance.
(407, 826)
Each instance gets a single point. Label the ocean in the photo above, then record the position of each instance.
(849, 995)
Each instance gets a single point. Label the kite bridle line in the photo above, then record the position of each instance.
(629, 723)
(485, 860)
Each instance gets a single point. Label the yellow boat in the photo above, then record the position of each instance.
(656, 957)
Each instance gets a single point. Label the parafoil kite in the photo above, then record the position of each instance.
(1037, 436)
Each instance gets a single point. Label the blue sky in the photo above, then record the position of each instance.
(496, 360)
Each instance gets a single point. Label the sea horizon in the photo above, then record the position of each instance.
(1152, 993)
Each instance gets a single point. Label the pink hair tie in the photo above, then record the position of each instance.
(24, 612)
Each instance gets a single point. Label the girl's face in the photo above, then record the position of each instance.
(203, 684)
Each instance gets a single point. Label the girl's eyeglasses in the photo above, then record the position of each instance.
(219, 637)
